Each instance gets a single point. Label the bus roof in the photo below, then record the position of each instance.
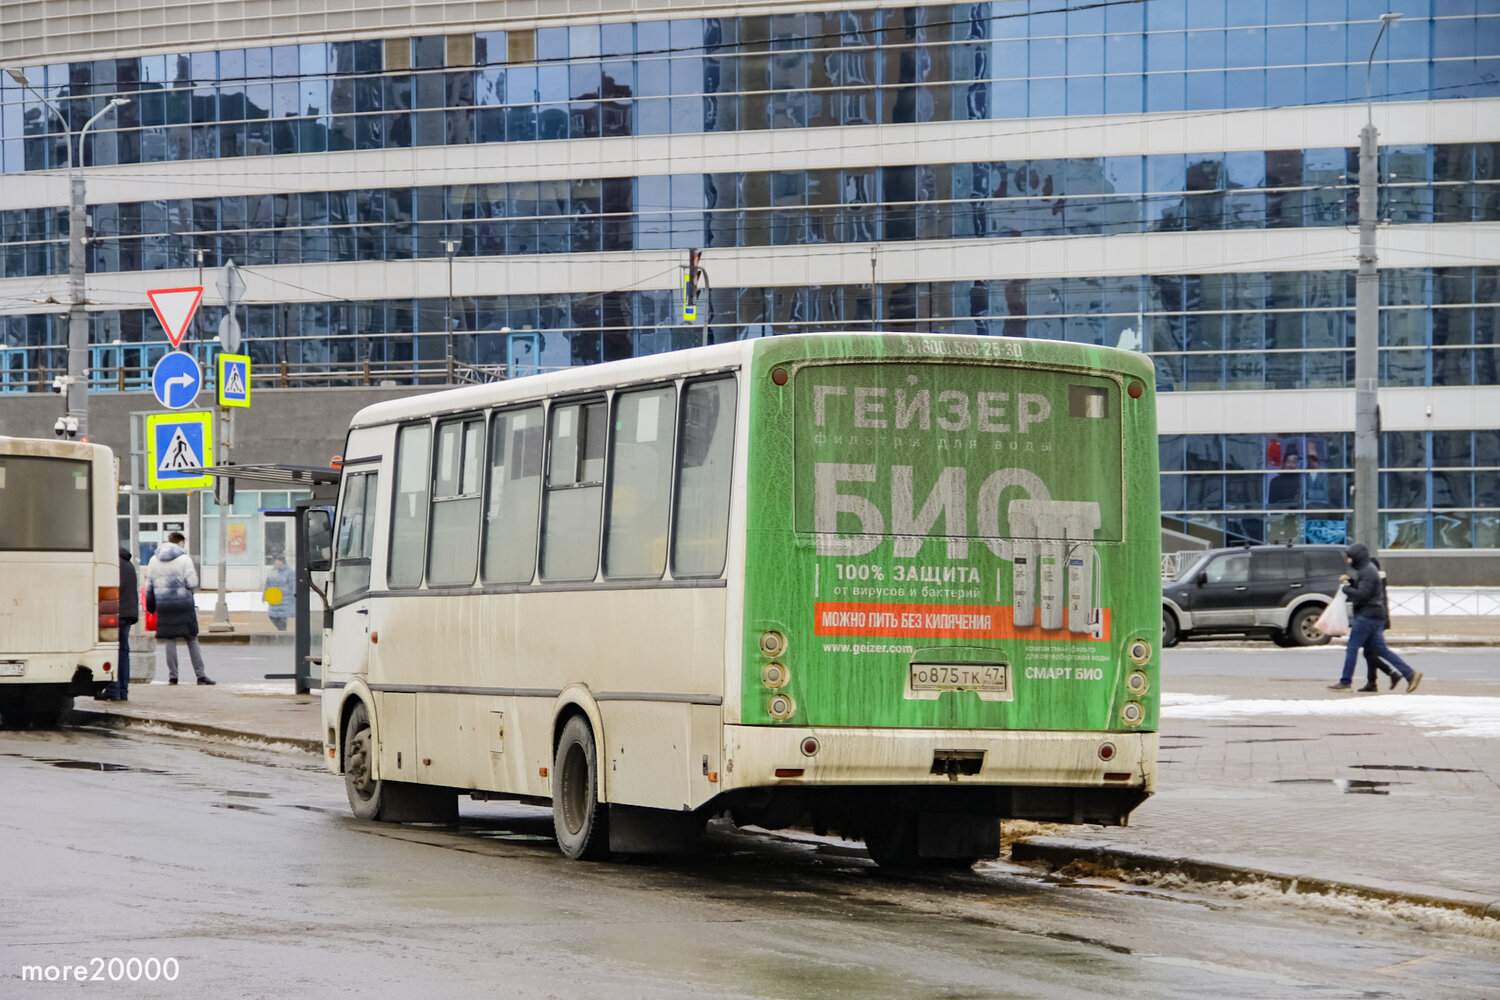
(84, 451)
(684, 362)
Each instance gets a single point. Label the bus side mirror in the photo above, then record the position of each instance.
(318, 532)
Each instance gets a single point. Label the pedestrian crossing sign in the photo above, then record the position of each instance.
(234, 380)
(175, 444)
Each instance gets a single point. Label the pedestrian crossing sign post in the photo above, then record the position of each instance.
(175, 443)
(234, 380)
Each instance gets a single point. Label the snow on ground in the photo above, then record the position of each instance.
(234, 600)
(1441, 715)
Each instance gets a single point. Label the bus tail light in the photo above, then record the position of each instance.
(773, 675)
(109, 614)
(1137, 682)
(781, 707)
(810, 746)
(789, 772)
(1106, 751)
(1132, 714)
(1117, 775)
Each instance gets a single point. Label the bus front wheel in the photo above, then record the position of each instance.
(388, 801)
(578, 816)
(359, 766)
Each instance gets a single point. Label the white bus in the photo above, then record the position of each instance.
(59, 576)
(894, 586)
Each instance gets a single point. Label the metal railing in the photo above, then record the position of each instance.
(1468, 612)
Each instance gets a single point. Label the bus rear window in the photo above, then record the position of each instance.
(44, 505)
(921, 452)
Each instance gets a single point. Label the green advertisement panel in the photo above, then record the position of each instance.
(952, 532)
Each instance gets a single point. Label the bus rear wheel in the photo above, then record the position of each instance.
(580, 819)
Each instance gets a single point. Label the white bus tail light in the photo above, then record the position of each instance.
(781, 707)
(109, 614)
(1137, 682)
(773, 675)
(1132, 714)
(772, 643)
(1140, 652)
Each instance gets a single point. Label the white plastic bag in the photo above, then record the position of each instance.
(1335, 618)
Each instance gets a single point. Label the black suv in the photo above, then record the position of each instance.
(1276, 591)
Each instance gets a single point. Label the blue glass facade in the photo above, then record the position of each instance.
(1274, 322)
(793, 70)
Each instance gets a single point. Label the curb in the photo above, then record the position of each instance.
(1057, 852)
(118, 720)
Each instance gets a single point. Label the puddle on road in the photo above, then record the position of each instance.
(93, 765)
(241, 806)
(1414, 767)
(1349, 786)
(246, 795)
(1280, 739)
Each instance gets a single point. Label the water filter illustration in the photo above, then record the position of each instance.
(1082, 561)
(1060, 533)
(1023, 569)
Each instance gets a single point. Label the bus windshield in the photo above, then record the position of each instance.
(45, 504)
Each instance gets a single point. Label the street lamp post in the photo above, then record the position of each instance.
(1367, 329)
(78, 326)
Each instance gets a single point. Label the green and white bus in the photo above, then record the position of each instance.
(894, 586)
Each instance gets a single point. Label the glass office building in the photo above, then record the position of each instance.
(415, 195)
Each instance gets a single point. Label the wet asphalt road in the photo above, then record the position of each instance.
(245, 867)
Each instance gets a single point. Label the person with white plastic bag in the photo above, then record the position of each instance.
(1366, 598)
(1334, 621)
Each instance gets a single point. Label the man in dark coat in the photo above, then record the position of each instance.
(172, 580)
(130, 613)
(1366, 593)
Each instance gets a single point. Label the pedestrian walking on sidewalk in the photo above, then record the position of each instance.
(1367, 620)
(1373, 662)
(171, 580)
(130, 613)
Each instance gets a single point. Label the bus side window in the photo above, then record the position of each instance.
(575, 492)
(640, 481)
(514, 498)
(452, 547)
(700, 533)
(409, 512)
(356, 537)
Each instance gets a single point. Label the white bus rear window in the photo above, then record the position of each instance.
(45, 505)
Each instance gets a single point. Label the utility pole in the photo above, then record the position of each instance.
(230, 287)
(874, 294)
(1366, 529)
(78, 322)
(449, 246)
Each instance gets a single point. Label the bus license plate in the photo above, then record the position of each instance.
(12, 668)
(986, 677)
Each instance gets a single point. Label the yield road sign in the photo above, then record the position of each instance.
(176, 443)
(176, 380)
(175, 308)
(234, 380)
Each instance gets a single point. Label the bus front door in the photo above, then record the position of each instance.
(346, 648)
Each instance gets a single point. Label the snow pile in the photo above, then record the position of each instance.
(1441, 715)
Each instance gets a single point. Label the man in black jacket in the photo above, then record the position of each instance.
(1367, 620)
(130, 613)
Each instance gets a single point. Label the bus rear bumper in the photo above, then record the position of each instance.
(79, 672)
(1065, 777)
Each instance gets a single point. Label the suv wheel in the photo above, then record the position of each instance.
(1302, 630)
(1168, 629)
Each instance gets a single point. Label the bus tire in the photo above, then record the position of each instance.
(892, 841)
(15, 715)
(49, 711)
(580, 819)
